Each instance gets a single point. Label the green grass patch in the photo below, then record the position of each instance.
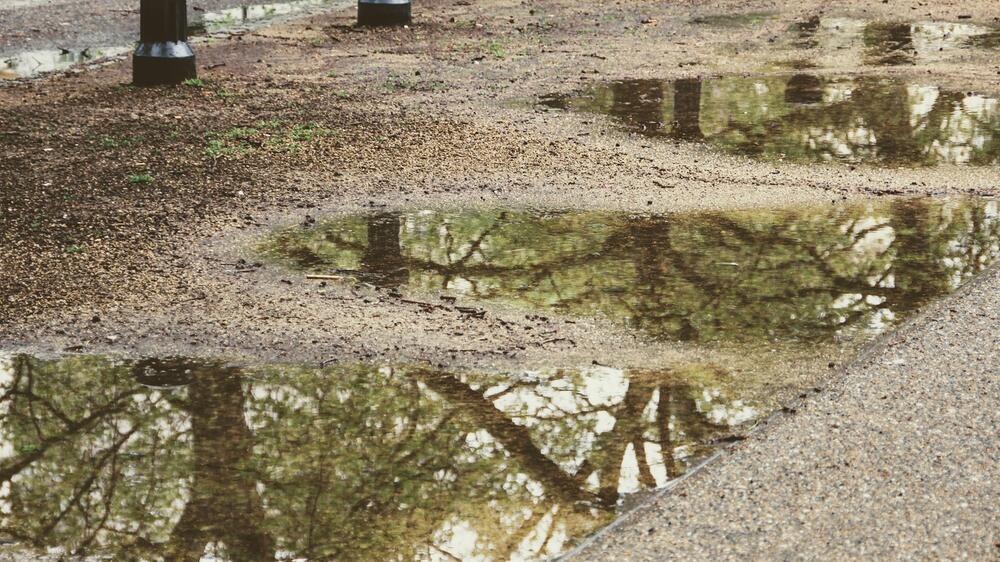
(109, 142)
(239, 133)
(271, 135)
(270, 124)
(140, 179)
(497, 50)
(194, 83)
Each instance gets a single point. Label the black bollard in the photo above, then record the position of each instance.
(163, 55)
(383, 12)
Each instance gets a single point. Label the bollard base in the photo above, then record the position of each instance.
(373, 13)
(169, 62)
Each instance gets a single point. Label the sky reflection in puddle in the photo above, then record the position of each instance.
(183, 460)
(806, 118)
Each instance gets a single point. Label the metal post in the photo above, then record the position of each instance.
(163, 55)
(383, 12)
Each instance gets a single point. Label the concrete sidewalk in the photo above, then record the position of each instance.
(898, 459)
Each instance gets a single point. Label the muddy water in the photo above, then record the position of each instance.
(807, 274)
(806, 118)
(176, 459)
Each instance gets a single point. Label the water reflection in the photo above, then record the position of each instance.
(820, 274)
(171, 459)
(250, 16)
(891, 43)
(33, 63)
(807, 118)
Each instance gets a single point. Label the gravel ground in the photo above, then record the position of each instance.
(898, 459)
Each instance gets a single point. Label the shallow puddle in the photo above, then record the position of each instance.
(892, 43)
(34, 63)
(174, 459)
(810, 274)
(806, 118)
(249, 16)
(734, 20)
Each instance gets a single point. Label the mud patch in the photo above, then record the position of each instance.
(182, 459)
(806, 118)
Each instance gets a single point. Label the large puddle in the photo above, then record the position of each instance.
(809, 274)
(806, 118)
(174, 459)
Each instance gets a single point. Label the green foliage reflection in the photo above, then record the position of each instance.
(173, 459)
(791, 275)
(808, 118)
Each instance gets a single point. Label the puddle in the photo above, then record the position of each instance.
(242, 18)
(806, 118)
(252, 16)
(893, 43)
(34, 63)
(734, 20)
(184, 460)
(749, 276)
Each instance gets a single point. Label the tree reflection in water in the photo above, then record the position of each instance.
(809, 118)
(175, 459)
(801, 275)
